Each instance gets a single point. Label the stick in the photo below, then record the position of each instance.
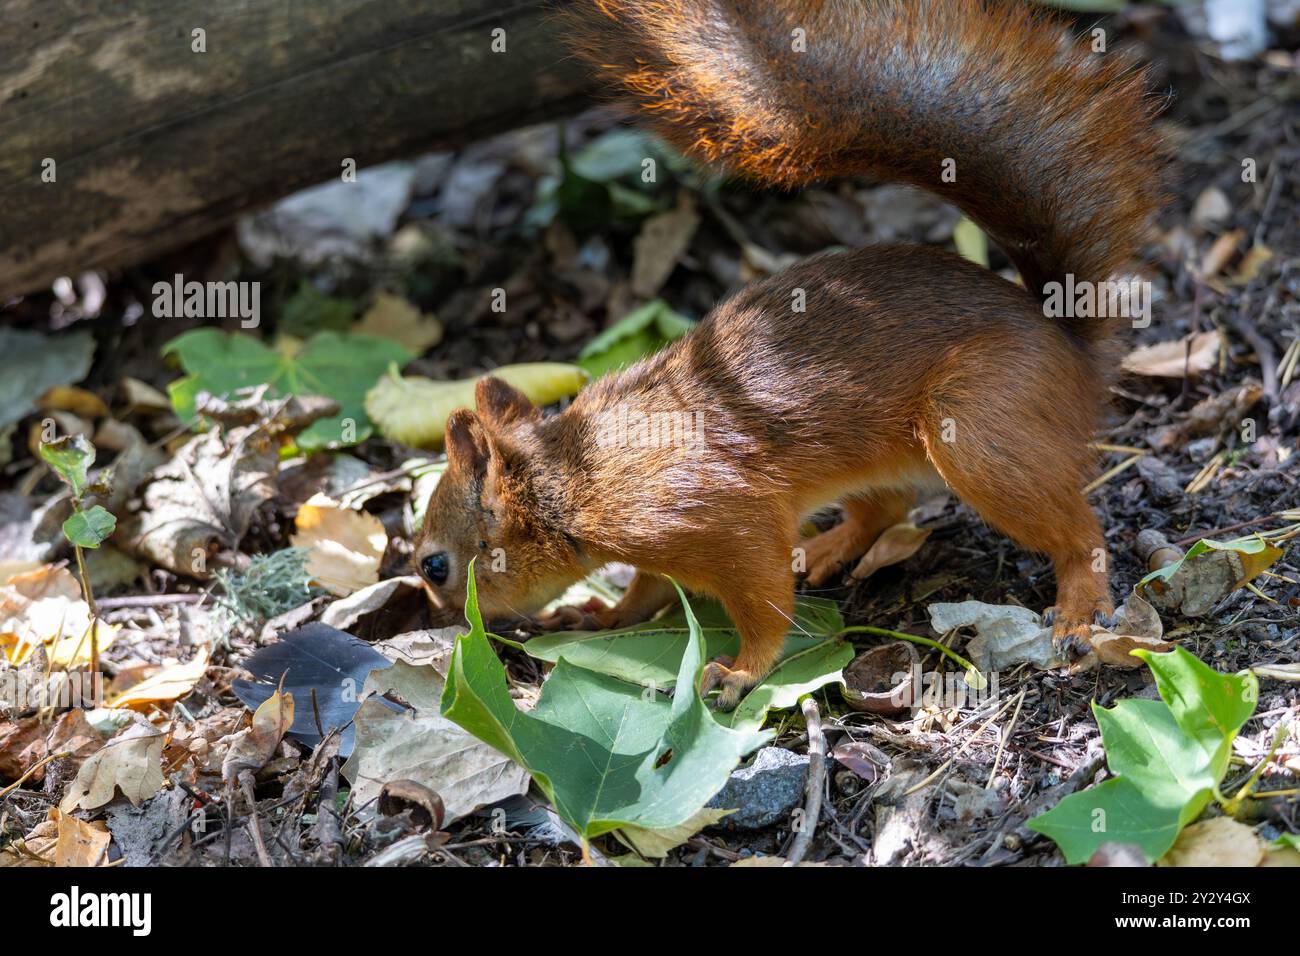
(816, 780)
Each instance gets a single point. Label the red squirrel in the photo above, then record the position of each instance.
(908, 367)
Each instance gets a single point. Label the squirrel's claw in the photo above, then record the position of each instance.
(592, 615)
(733, 684)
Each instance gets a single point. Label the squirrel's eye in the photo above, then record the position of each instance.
(482, 545)
(435, 566)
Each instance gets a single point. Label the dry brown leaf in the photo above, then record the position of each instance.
(1221, 841)
(1220, 252)
(37, 847)
(130, 762)
(1251, 264)
(345, 546)
(1173, 359)
(70, 398)
(393, 317)
(252, 747)
(140, 395)
(1137, 627)
(168, 684)
(80, 843)
(663, 240)
(896, 543)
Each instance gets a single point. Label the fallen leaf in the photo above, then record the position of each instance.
(168, 684)
(203, 499)
(69, 398)
(345, 546)
(80, 843)
(1251, 264)
(1137, 626)
(130, 762)
(414, 410)
(1005, 634)
(1221, 250)
(1189, 356)
(896, 544)
(31, 364)
(44, 607)
(662, 241)
(1211, 207)
(393, 317)
(254, 746)
(1220, 841)
(658, 843)
(1209, 572)
(423, 746)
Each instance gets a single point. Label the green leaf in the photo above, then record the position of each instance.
(89, 528)
(309, 311)
(341, 367)
(1169, 757)
(606, 753)
(1209, 707)
(31, 364)
(1255, 553)
(650, 653)
(641, 332)
(70, 457)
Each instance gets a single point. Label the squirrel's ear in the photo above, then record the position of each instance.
(467, 443)
(502, 404)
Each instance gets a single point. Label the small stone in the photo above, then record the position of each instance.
(764, 792)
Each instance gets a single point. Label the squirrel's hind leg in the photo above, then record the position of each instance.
(1023, 476)
(866, 515)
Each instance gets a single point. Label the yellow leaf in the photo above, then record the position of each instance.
(80, 843)
(345, 546)
(170, 683)
(392, 317)
(44, 607)
(1220, 841)
(414, 410)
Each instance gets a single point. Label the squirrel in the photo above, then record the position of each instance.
(907, 368)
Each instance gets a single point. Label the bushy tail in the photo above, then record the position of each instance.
(1050, 147)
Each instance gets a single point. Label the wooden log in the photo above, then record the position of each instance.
(130, 127)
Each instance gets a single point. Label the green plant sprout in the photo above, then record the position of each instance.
(70, 458)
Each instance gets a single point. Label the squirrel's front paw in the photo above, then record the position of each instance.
(592, 615)
(733, 683)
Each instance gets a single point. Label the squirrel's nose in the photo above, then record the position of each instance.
(434, 567)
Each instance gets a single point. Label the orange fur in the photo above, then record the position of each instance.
(907, 366)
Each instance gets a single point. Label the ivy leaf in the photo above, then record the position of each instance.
(71, 457)
(606, 753)
(89, 528)
(341, 367)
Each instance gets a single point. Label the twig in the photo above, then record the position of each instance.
(151, 600)
(960, 750)
(1112, 472)
(4, 792)
(254, 827)
(1006, 735)
(816, 781)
